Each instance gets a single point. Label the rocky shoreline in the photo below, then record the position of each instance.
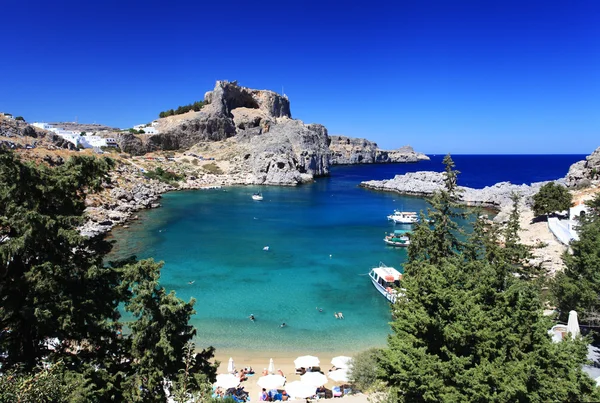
(349, 151)
(425, 183)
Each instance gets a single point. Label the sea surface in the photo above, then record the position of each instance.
(322, 239)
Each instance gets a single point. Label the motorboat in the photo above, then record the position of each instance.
(397, 238)
(257, 196)
(404, 217)
(387, 281)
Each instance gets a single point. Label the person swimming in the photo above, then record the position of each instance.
(252, 318)
(283, 325)
(191, 282)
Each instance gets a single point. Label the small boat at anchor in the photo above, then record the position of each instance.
(404, 217)
(257, 196)
(387, 281)
(397, 238)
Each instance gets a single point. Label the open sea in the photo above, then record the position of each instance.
(323, 239)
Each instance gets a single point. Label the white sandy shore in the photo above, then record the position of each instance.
(284, 361)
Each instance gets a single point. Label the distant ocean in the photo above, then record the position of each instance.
(323, 239)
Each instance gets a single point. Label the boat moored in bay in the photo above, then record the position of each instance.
(386, 280)
(404, 217)
(397, 238)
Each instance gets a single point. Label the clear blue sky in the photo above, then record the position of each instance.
(479, 76)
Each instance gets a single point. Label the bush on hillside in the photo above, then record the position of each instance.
(196, 106)
(213, 168)
(163, 176)
(363, 371)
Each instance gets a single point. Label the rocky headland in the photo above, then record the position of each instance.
(256, 126)
(347, 150)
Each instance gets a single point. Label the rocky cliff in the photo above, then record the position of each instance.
(265, 141)
(424, 183)
(348, 150)
(585, 173)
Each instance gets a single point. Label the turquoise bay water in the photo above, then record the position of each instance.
(323, 239)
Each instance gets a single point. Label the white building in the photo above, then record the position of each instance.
(76, 138)
(148, 128)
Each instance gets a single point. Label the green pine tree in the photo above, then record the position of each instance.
(468, 329)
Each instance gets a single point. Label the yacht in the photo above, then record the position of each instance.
(257, 196)
(387, 281)
(404, 217)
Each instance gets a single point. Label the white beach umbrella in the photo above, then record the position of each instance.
(271, 381)
(230, 366)
(341, 361)
(306, 361)
(227, 381)
(339, 375)
(300, 390)
(573, 324)
(271, 367)
(314, 378)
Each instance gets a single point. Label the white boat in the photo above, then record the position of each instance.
(386, 280)
(404, 217)
(257, 196)
(397, 238)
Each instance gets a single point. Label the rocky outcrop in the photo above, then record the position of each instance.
(269, 146)
(348, 150)
(117, 204)
(227, 96)
(424, 183)
(585, 173)
(290, 153)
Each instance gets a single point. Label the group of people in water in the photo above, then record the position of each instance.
(338, 315)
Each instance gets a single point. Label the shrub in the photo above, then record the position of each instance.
(363, 371)
(163, 176)
(213, 168)
(196, 106)
(20, 118)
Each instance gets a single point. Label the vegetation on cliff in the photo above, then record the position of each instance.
(467, 328)
(59, 309)
(196, 106)
(163, 175)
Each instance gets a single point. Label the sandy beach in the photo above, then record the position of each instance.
(260, 361)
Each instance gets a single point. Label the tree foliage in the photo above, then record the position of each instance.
(363, 371)
(162, 175)
(468, 329)
(196, 106)
(59, 303)
(551, 198)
